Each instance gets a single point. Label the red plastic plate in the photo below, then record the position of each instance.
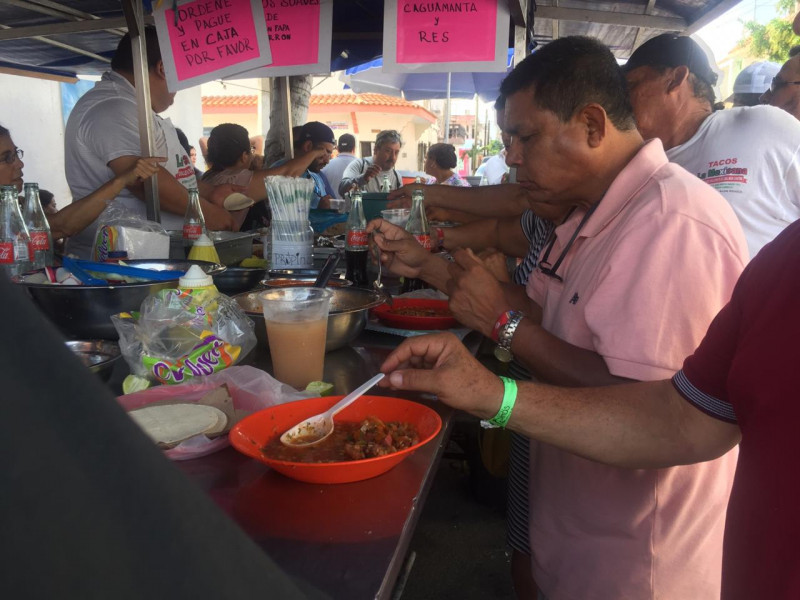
(390, 316)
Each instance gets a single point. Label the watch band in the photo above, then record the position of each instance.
(505, 335)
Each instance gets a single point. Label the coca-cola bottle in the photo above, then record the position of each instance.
(194, 225)
(38, 227)
(355, 250)
(417, 225)
(15, 243)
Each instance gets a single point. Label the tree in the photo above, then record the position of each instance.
(774, 39)
(300, 91)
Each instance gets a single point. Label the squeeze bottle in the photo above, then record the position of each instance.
(200, 286)
(203, 249)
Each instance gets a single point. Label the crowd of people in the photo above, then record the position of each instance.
(649, 226)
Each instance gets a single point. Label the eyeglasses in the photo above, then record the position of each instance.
(778, 83)
(11, 156)
(544, 264)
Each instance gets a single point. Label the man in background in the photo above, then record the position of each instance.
(785, 89)
(495, 169)
(369, 173)
(102, 141)
(314, 136)
(752, 82)
(749, 155)
(335, 169)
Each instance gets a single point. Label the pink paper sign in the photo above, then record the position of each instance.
(293, 29)
(431, 32)
(211, 35)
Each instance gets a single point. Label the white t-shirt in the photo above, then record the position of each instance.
(103, 126)
(335, 169)
(495, 168)
(751, 156)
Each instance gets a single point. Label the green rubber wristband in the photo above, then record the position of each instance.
(509, 400)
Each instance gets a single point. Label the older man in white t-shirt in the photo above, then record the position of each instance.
(749, 154)
(102, 140)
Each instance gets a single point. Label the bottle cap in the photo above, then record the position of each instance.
(203, 240)
(195, 277)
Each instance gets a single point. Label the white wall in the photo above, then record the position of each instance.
(31, 110)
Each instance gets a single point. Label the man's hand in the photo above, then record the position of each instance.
(476, 297)
(401, 254)
(371, 172)
(401, 197)
(495, 262)
(440, 364)
(144, 168)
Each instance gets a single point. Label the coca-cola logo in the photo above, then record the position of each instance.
(357, 237)
(40, 240)
(424, 241)
(6, 252)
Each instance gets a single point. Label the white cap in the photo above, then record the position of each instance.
(755, 78)
(203, 240)
(195, 277)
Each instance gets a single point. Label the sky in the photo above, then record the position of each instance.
(724, 33)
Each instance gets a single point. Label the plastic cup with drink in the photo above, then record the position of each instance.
(297, 325)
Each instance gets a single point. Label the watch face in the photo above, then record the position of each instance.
(503, 354)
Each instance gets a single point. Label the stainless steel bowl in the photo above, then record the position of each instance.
(235, 280)
(98, 356)
(84, 312)
(347, 318)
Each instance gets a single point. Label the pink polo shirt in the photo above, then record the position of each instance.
(642, 282)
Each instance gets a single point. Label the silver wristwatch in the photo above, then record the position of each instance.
(502, 351)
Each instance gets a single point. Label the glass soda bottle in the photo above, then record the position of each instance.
(194, 225)
(38, 227)
(417, 226)
(15, 243)
(357, 243)
(385, 187)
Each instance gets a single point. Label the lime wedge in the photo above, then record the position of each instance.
(134, 383)
(321, 388)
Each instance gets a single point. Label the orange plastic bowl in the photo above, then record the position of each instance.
(252, 433)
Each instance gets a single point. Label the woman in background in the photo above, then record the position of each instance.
(230, 157)
(440, 162)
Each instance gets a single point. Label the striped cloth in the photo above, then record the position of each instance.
(537, 231)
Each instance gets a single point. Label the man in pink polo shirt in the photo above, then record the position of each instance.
(625, 290)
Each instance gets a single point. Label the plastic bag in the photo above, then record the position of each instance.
(119, 231)
(177, 336)
(251, 390)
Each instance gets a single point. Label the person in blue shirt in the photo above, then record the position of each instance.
(315, 136)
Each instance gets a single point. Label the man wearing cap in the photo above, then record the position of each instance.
(335, 169)
(369, 173)
(748, 154)
(315, 136)
(752, 82)
(785, 89)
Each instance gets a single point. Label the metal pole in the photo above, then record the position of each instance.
(447, 112)
(135, 19)
(286, 100)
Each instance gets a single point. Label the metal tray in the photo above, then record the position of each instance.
(232, 246)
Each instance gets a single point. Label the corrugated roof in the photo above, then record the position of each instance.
(357, 28)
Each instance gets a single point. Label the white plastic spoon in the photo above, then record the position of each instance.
(314, 429)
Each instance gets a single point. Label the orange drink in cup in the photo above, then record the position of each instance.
(297, 325)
